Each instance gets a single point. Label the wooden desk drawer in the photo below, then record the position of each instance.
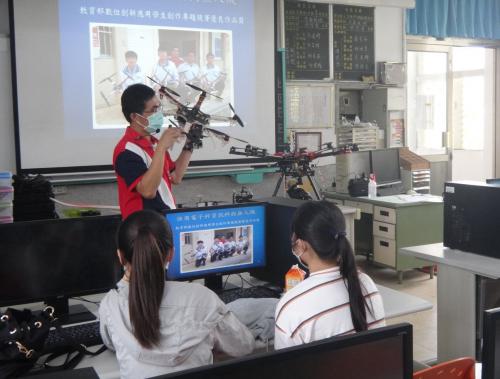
(384, 251)
(364, 207)
(384, 230)
(384, 214)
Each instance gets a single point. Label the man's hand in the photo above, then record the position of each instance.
(169, 137)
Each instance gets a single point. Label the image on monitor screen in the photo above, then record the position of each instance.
(217, 240)
(216, 248)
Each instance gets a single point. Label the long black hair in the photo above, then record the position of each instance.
(322, 225)
(144, 239)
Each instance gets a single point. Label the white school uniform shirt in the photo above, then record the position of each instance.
(131, 76)
(166, 74)
(211, 73)
(318, 308)
(189, 71)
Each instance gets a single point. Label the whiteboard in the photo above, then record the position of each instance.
(310, 106)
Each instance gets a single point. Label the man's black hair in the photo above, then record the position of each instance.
(130, 54)
(134, 99)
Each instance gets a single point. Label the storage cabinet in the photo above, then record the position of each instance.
(392, 222)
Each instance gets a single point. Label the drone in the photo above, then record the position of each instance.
(295, 164)
(193, 120)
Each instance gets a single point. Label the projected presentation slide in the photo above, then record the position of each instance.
(217, 240)
(174, 43)
(93, 50)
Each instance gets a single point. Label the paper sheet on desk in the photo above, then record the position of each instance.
(420, 198)
(405, 199)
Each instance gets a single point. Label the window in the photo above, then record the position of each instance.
(427, 101)
(105, 41)
(450, 89)
(473, 94)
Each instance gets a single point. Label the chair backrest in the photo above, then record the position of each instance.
(461, 368)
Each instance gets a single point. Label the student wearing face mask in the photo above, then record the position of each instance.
(157, 326)
(144, 170)
(336, 298)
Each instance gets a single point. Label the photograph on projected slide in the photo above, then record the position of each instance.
(122, 55)
(209, 249)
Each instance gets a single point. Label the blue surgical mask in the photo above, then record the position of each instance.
(155, 122)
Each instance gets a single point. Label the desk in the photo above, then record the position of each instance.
(389, 223)
(395, 303)
(457, 296)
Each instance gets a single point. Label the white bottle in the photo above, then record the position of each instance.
(372, 187)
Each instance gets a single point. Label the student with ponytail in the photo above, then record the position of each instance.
(157, 326)
(336, 298)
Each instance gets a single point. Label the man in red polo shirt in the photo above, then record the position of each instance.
(144, 170)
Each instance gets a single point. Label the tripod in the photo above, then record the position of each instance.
(296, 192)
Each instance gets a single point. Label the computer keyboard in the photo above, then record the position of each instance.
(86, 334)
(230, 295)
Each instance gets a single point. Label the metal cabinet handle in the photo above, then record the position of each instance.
(383, 228)
(384, 213)
(383, 243)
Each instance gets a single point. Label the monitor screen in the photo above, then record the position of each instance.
(217, 240)
(383, 353)
(54, 258)
(385, 166)
(494, 182)
(491, 344)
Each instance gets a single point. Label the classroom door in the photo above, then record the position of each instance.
(472, 152)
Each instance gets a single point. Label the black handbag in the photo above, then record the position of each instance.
(22, 338)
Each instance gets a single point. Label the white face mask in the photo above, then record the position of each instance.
(298, 258)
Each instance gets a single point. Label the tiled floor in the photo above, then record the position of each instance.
(415, 283)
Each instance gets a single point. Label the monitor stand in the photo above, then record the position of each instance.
(215, 283)
(390, 190)
(69, 314)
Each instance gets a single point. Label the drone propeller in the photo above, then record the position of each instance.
(225, 136)
(107, 78)
(165, 88)
(236, 117)
(202, 90)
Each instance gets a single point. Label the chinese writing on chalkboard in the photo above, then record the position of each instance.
(353, 42)
(307, 40)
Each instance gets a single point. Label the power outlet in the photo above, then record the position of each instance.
(60, 190)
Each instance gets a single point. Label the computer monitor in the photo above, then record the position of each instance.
(383, 353)
(491, 344)
(385, 166)
(52, 260)
(212, 241)
(493, 182)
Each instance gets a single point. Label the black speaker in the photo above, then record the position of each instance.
(279, 257)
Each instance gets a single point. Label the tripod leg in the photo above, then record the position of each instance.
(314, 187)
(278, 185)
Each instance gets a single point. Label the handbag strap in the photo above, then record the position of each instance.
(70, 362)
(72, 347)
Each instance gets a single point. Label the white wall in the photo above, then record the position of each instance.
(7, 148)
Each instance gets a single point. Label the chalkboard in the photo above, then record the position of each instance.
(307, 40)
(353, 42)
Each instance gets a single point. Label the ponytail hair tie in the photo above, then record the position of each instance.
(338, 235)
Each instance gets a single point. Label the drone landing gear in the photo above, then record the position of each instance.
(297, 192)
